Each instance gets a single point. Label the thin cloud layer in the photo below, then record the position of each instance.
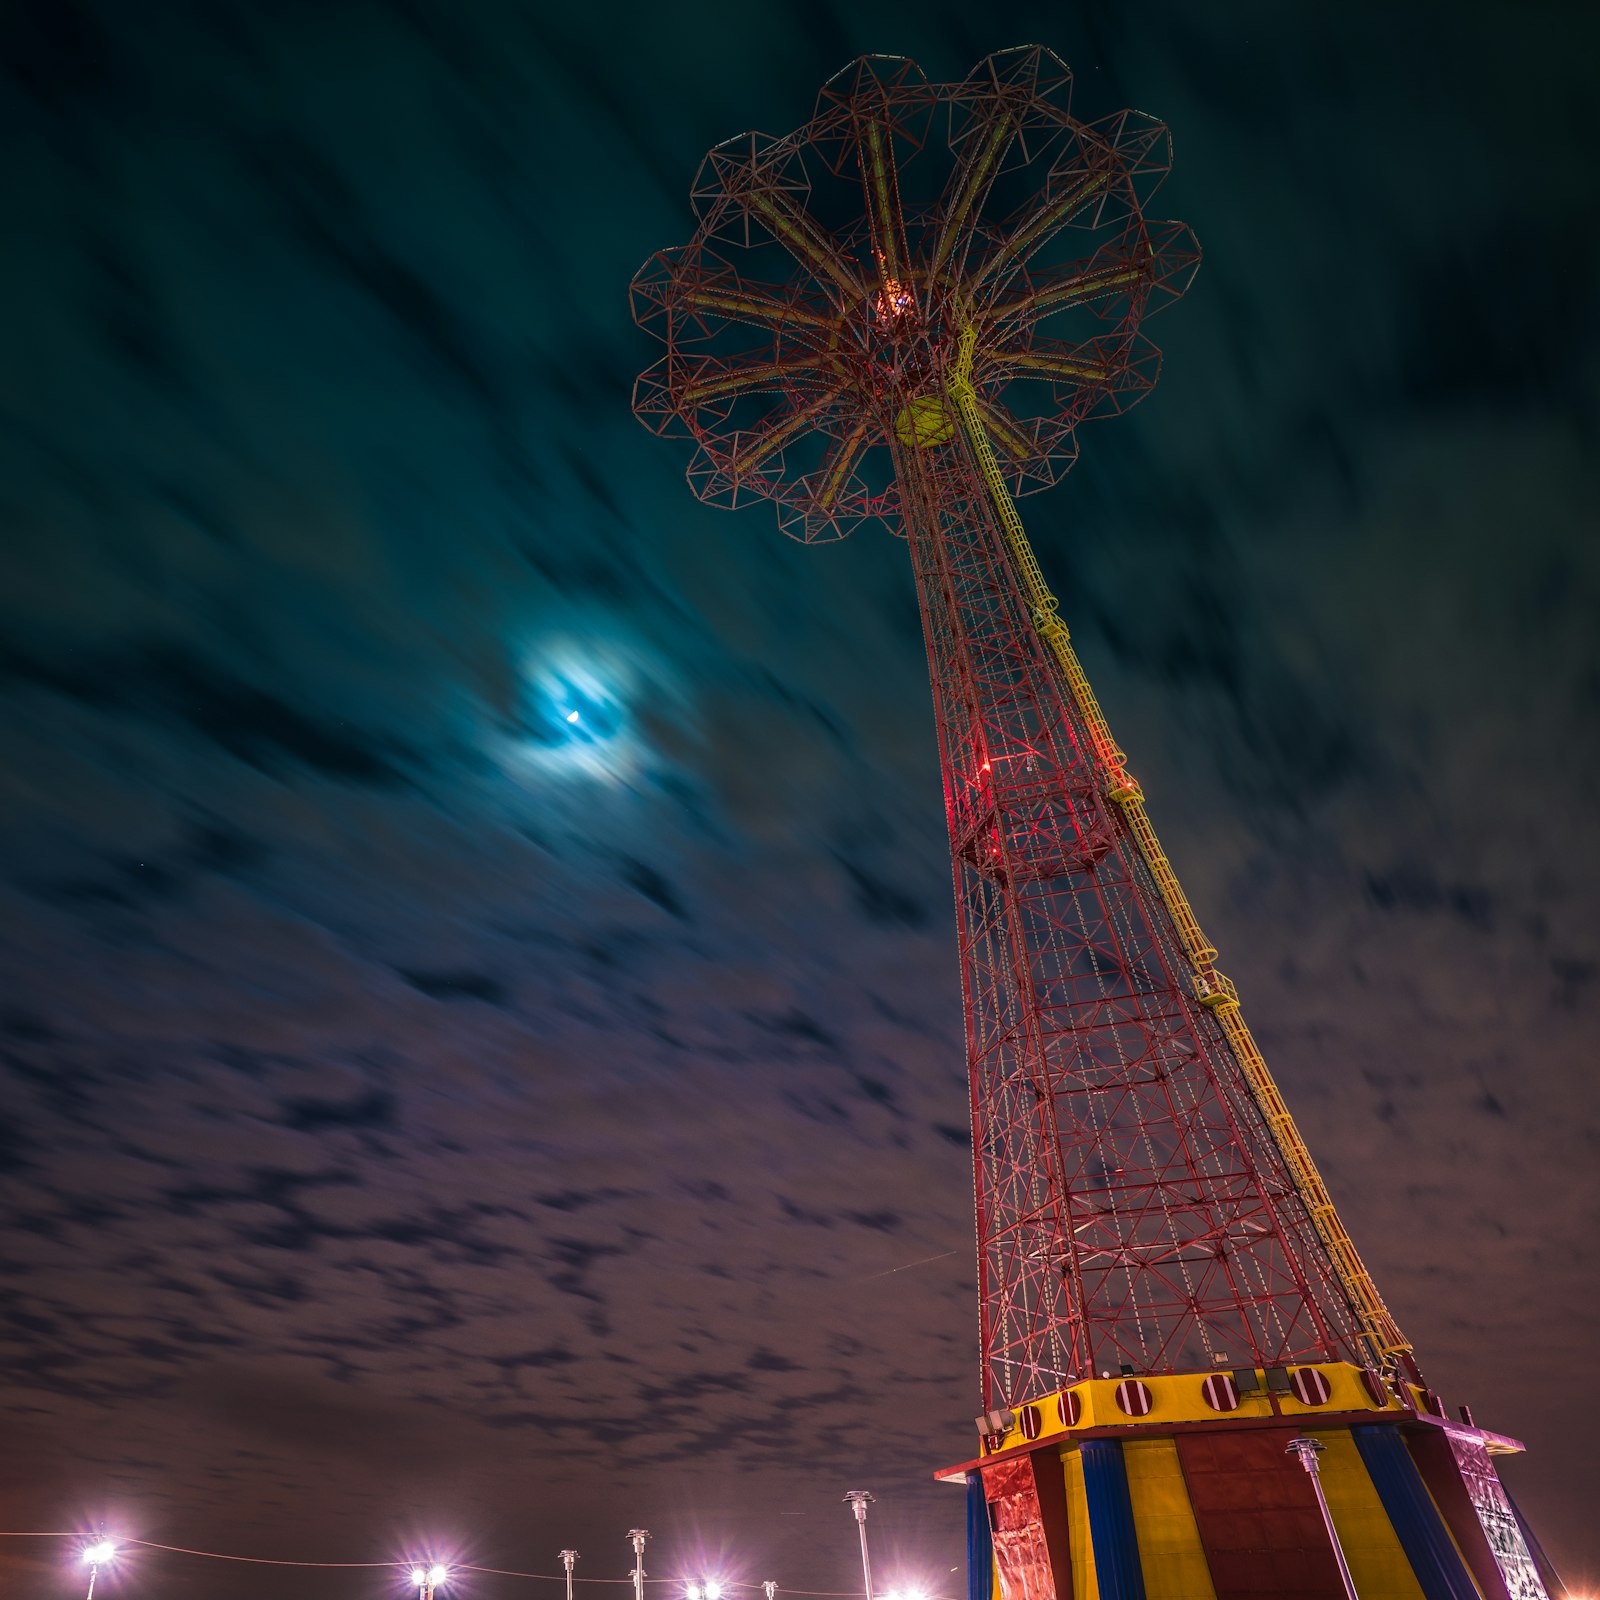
(422, 1123)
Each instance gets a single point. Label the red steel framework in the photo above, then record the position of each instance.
(857, 331)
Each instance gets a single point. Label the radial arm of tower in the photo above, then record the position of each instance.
(1215, 991)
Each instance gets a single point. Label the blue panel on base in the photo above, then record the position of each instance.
(980, 1546)
(1416, 1520)
(1116, 1544)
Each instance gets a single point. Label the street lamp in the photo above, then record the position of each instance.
(97, 1555)
(858, 1500)
(637, 1537)
(702, 1589)
(1308, 1450)
(428, 1578)
(567, 1559)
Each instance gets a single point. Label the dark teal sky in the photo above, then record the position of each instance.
(417, 1122)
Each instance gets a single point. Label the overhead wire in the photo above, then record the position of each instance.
(401, 1566)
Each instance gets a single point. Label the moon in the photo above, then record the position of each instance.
(574, 717)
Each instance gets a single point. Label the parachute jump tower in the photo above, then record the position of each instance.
(901, 313)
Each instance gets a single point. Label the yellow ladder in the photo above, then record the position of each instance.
(1379, 1330)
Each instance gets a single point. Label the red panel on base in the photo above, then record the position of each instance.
(1028, 1522)
(1258, 1518)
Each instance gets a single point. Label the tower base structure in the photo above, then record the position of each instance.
(1202, 1486)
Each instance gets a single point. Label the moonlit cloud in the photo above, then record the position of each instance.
(577, 711)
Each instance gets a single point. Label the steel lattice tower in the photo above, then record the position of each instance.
(1142, 1197)
(902, 312)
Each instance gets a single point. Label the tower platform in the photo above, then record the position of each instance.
(1186, 1487)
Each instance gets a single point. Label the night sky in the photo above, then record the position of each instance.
(429, 1122)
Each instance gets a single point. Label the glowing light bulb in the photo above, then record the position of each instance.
(437, 1574)
(97, 1554)
(693, 1591)
(418, 1576)
(713, 1590)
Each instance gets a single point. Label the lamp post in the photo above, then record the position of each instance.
(1308, 1450)
(637, 1537)
(97, 1555)
(567, 1559)
(859, 1500)
(428, 1578)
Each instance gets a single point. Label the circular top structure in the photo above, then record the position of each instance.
(812, 321)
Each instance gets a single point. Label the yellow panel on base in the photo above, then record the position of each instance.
(1180, 1397)
(1377, 1562)
(1170, 1551)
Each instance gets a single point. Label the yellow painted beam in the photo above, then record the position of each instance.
(793, 228)
(778, 434)
(744, 305)
(979, 162)
(1050, 216)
